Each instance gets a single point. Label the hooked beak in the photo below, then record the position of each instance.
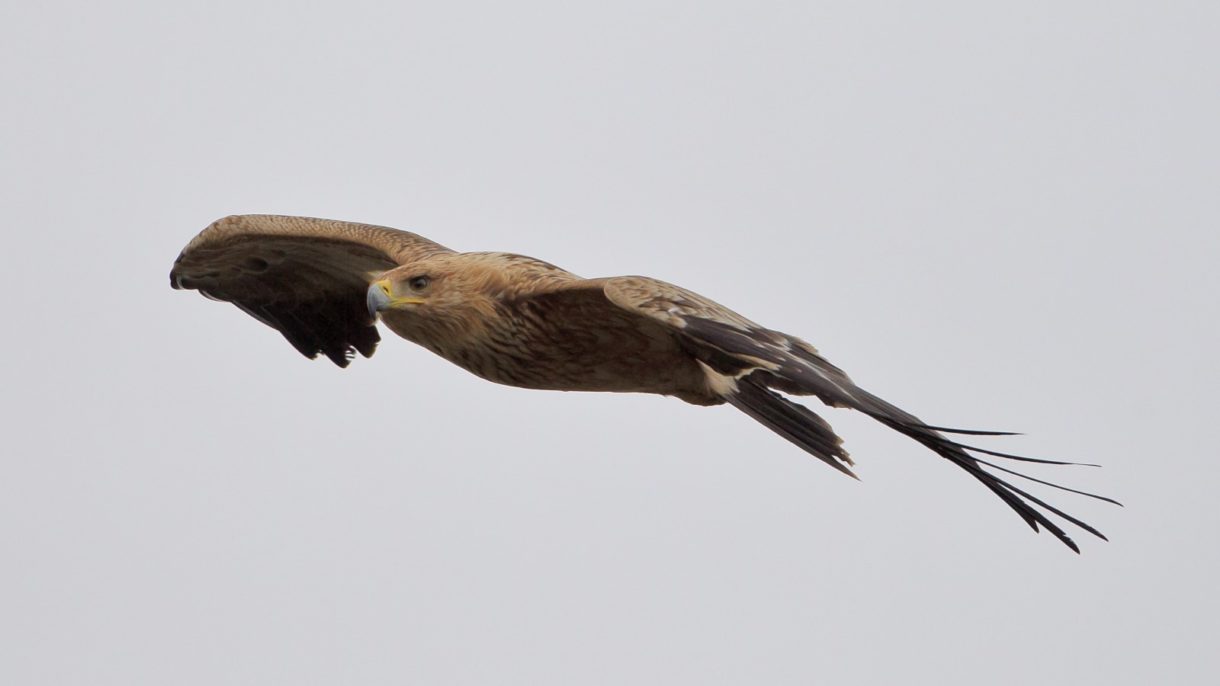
(378, 297)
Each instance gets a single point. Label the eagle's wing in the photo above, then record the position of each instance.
(304, 277)
(750, 362)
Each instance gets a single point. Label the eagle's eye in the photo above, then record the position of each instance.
(418, 283)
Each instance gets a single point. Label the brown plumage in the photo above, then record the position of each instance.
(522, 322)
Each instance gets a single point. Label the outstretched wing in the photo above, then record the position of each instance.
(751, 362)
(304, 277)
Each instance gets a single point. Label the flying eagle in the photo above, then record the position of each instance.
(523, 322)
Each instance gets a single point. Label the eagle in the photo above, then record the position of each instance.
(522, 322)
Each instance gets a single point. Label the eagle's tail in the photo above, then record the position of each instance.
(811, 433)
(794, 422)
(1016, 498)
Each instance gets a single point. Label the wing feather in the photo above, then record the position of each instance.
(759, 359)
(304, 277)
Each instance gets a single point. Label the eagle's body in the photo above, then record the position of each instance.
(516, 332)
(522, 322)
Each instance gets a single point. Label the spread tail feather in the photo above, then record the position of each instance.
(813, 434)
(795, 422)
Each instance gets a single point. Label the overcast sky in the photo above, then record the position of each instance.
(996, 215)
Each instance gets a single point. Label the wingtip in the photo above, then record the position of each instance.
(341, 358)
(970, 432)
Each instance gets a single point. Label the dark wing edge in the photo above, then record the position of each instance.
(304, 277)
(762, 361)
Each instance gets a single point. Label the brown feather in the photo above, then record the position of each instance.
(519, 321)
(304, 277)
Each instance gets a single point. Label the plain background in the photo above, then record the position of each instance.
(998, 215)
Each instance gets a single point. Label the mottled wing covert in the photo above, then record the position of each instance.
(731, 344)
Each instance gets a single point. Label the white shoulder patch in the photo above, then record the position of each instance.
(720, 384)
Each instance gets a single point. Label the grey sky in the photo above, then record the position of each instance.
(996, 215)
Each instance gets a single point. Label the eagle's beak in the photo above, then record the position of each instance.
(378, 297)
